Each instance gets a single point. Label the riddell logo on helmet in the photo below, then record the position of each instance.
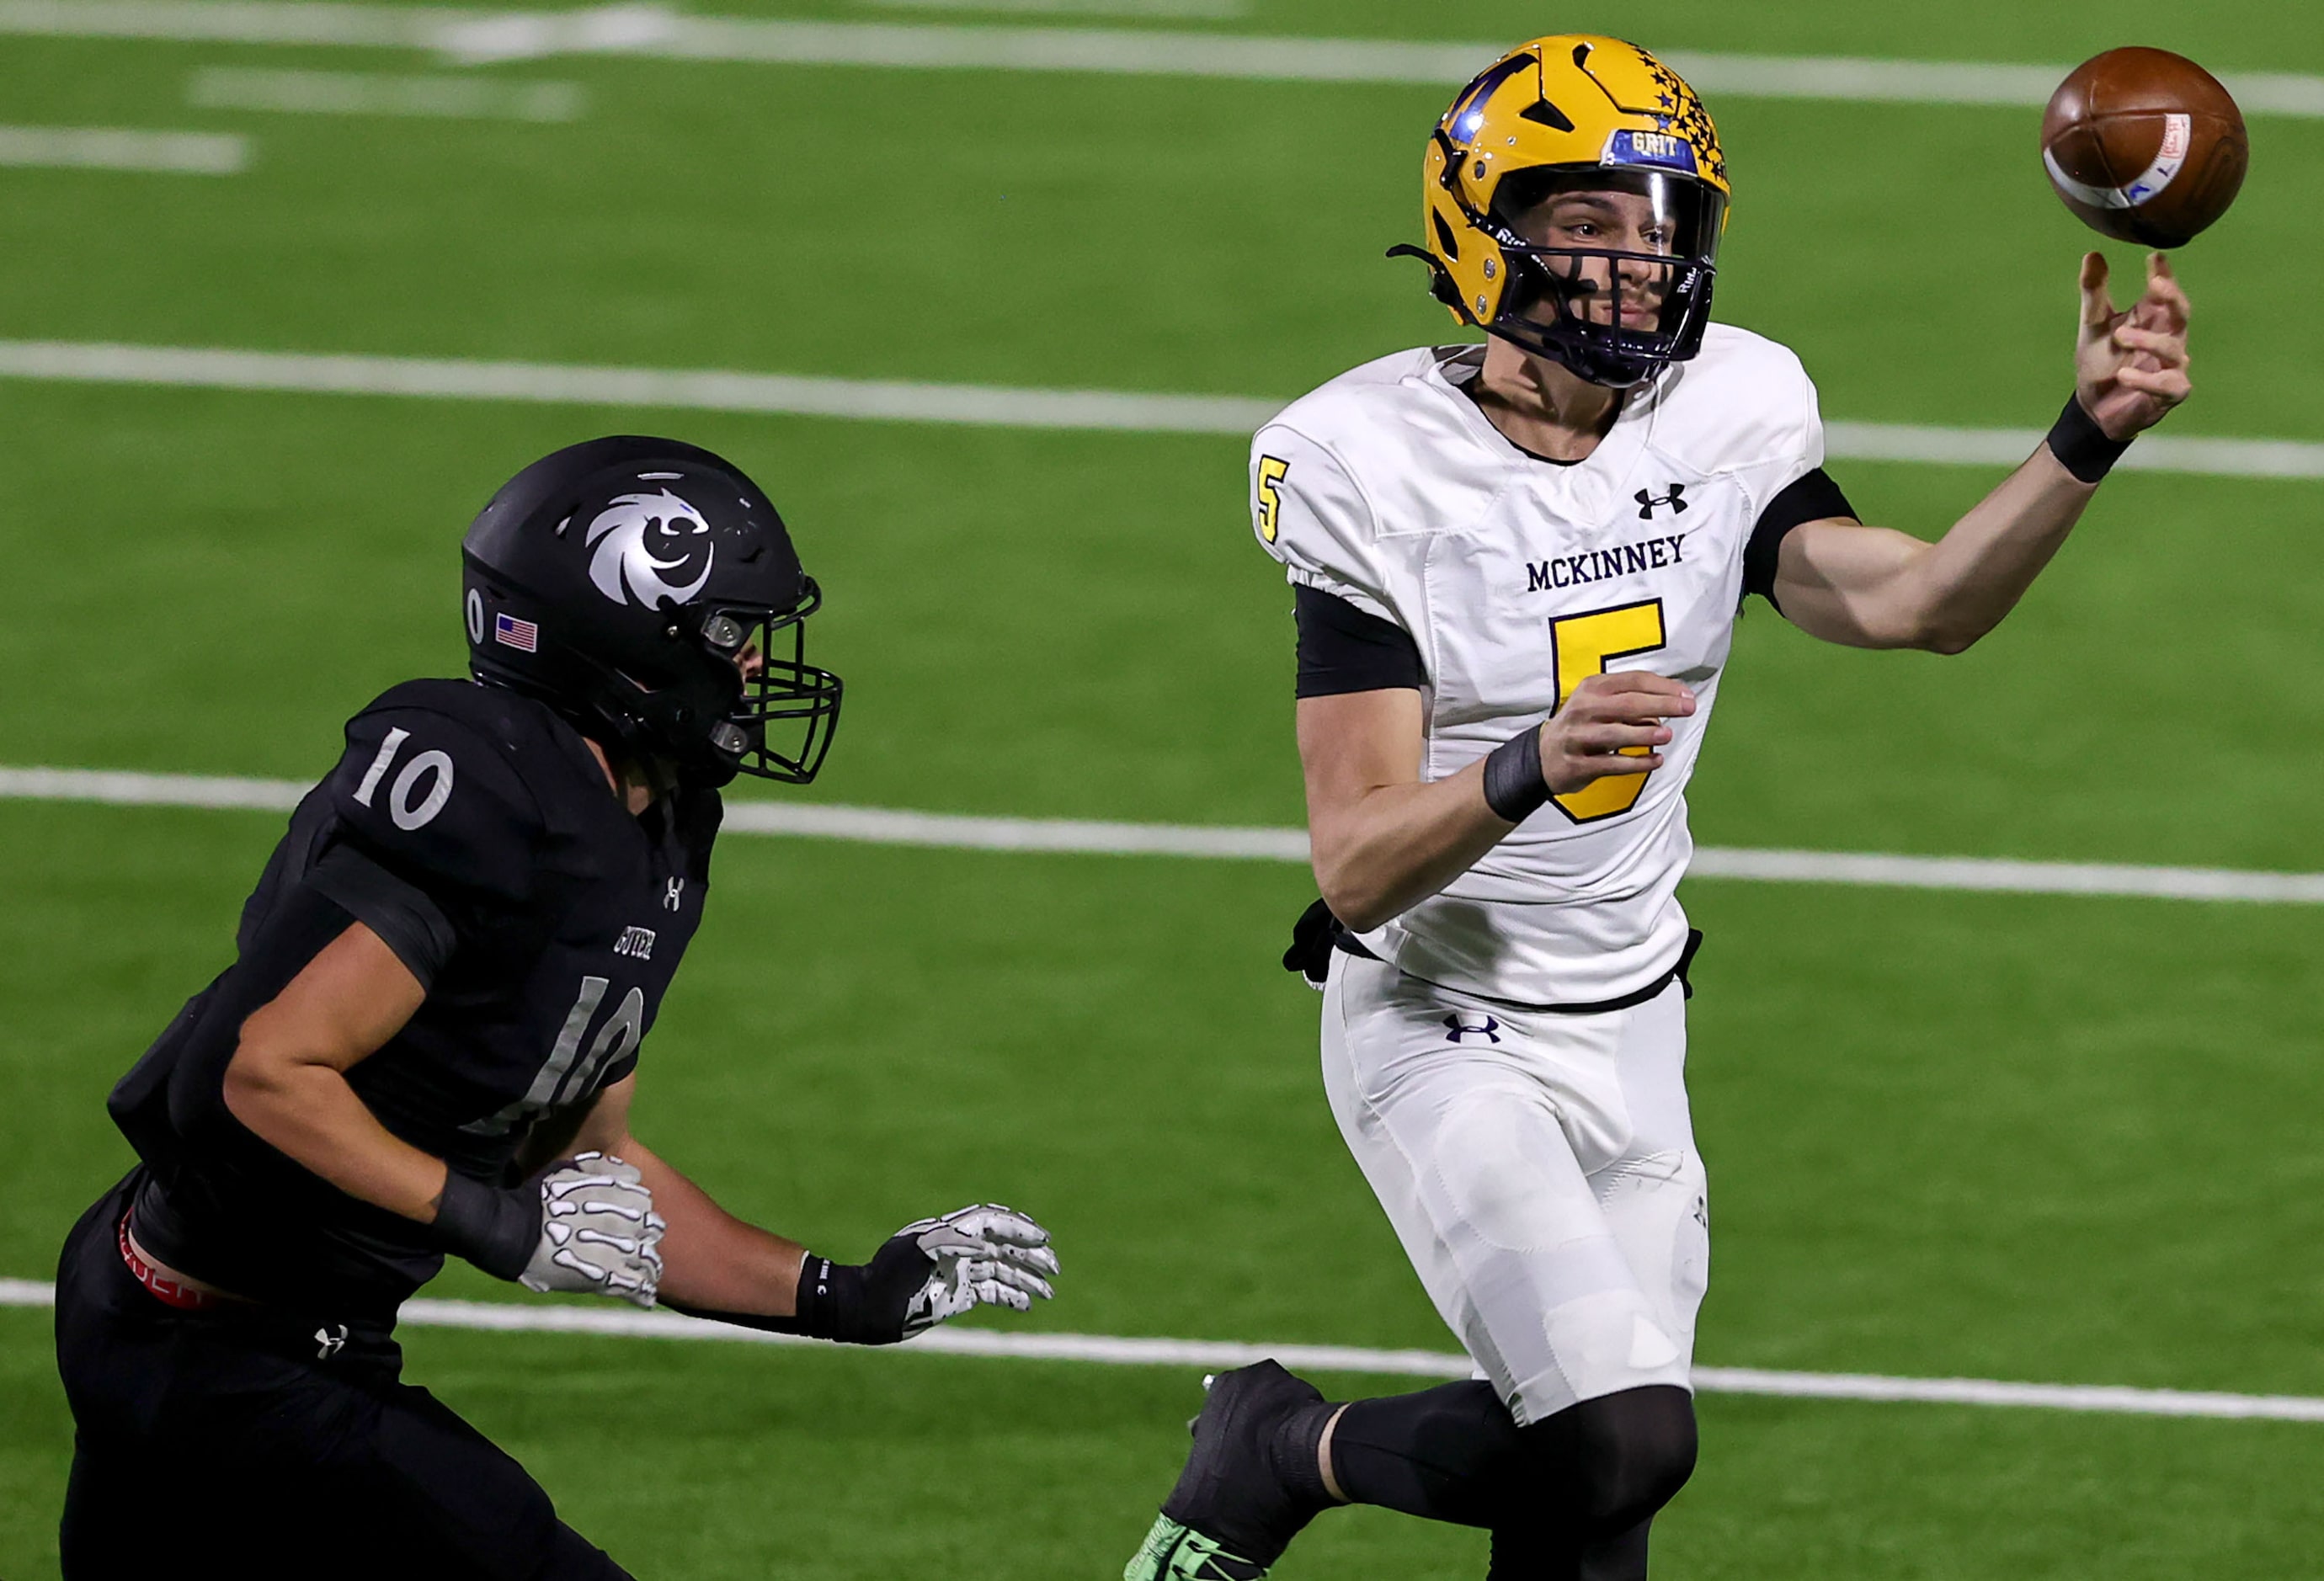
(627, 534)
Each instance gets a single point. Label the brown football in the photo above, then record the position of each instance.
(2144, 145)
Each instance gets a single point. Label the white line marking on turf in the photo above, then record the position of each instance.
(2004, 876)
(510, 1317)
(472, 35)
(151, 790)
(881, 826)
(352, 93)
(113, 148)
(1086, 837)
(1206, 10)
(994, 406)
(2169, 453)
(703, 390)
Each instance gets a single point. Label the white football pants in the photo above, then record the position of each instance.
(1540, 1169)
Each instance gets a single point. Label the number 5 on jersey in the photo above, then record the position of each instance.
(1272, 470)
(1579, 647)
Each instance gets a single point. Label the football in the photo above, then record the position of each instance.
(2144, 146)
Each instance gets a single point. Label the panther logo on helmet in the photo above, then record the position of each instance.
(625, 536)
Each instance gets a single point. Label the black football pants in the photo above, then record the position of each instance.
(244, 1442)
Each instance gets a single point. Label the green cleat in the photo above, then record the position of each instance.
(1174, 1551)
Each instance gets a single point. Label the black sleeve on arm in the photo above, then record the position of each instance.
(405, 919)
(1812, 497)
(1344, 649)
(299, 930)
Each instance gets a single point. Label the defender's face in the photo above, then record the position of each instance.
(1598, 222)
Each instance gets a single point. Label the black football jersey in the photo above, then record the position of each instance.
(473, 831)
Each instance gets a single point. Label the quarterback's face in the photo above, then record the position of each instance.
(1599, 222)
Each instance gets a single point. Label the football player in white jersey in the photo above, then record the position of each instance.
(1516, 569)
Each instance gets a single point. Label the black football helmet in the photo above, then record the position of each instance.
(627, 582)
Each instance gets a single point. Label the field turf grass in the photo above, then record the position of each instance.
(1988, 1135)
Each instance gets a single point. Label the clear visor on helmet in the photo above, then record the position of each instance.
(1624, 256)
(781, 725)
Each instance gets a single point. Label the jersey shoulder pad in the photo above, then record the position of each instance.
(433, 786)
(1353, 464)
(1310, 515)
(1349, 414)
(1745, 403)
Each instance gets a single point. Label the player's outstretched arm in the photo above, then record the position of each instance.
(710, 1258)
(716, 1265)
(1381, 840)
(1870, 587)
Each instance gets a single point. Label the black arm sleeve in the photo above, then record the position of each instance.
(1812, 498)
(1343, 648)
(298, 931)
(405, 919)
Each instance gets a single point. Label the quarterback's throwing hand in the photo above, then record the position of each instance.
(599, 1233)
(2130, 369)
(1611, 725)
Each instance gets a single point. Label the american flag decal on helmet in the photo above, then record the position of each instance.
(510, 632)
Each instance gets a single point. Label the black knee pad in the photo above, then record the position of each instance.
(1608, 1464)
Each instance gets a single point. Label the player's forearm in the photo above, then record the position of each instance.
(711, 1260)
(1965, 582)
(1386, 850)
(307, 1111)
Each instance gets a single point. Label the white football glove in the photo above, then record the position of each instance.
(599, 1233)
(984, 1256)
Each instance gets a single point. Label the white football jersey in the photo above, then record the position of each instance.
(1517, 577)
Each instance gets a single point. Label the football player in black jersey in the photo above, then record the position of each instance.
(427, 1046)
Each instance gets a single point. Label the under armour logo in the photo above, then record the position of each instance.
(675, 894)
(328, 1344)
(1648, 503)
(1456, 1029)
(1702, 1212)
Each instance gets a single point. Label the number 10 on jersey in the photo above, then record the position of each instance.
(1580, 647)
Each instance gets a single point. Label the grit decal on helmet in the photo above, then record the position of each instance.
(1573, 199)
(624, 557)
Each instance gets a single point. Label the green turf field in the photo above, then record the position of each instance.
(1988, 1135)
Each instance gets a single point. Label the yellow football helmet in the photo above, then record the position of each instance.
(1573, 199)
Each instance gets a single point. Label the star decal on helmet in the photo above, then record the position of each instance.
(1684, 116)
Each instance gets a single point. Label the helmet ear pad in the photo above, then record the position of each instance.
(698, 689)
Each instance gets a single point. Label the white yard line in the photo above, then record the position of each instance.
(1153, 9)
(2166, 453)
(1085, 837)
(699, 390)
(994, 406)
(475, 34)
(356, 93)
(510, 1317)
(115, 148)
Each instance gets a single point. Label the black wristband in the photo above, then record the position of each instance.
(853, 1303)
(495, 1228)
(829, 1305)
(829, 1293)
(2080, 445)
(1514, 787)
